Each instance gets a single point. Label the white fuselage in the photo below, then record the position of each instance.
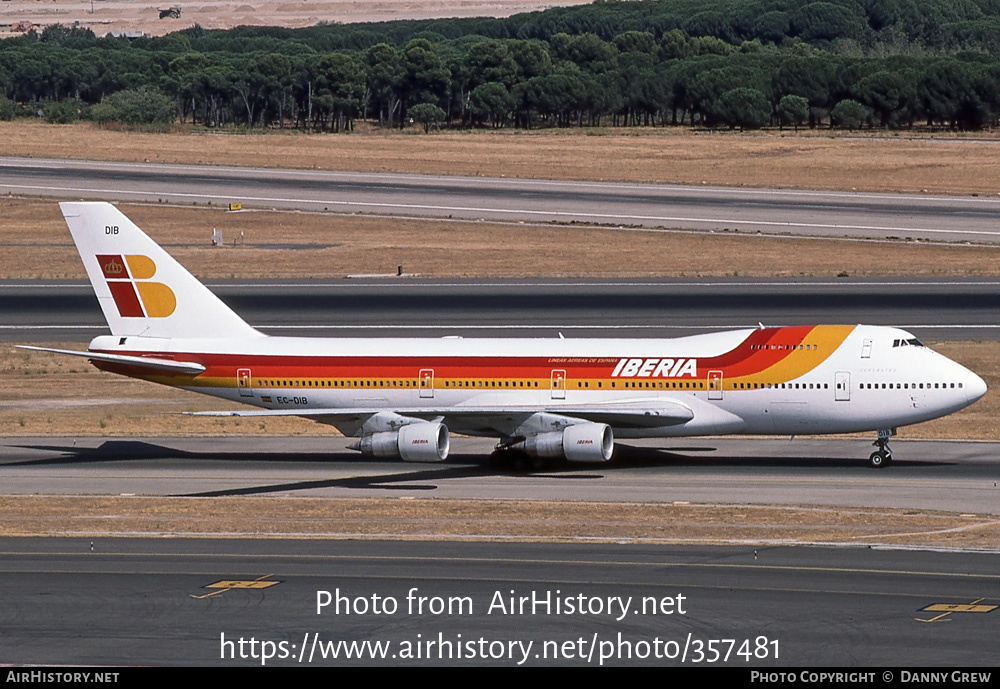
(821, 379)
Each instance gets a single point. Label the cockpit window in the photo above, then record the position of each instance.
(912, 342)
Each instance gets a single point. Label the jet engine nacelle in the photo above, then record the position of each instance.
(415, 442)
(582, 442)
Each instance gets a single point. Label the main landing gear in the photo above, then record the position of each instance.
(503, 457)
(882, 457)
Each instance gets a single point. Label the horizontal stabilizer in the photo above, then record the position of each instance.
(188, 367)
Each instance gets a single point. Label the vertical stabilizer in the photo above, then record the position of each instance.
(142, 290)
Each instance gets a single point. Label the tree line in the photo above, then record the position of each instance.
(729, 63)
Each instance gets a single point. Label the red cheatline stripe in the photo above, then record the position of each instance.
(747, 358)
(126, 299)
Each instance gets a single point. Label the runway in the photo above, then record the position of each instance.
(811, 213)
(177, 602)
(926, 475)
(965, 309)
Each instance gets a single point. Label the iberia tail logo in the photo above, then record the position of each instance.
(134, 295)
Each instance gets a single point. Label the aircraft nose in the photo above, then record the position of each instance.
(975, 387)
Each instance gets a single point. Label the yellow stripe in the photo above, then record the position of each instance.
(798, 363)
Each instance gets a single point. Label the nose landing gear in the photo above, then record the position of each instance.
(882, 457)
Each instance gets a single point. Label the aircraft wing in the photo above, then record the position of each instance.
(168, 365)
(642, 414)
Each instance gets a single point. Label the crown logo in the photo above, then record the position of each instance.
(113, 267)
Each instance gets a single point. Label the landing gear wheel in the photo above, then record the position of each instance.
(883, 456)
(502, 458)
(878, 460)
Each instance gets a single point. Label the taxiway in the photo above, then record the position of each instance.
(934, 309)
(797, 212)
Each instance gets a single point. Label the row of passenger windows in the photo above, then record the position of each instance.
(491, 383)
(295, 383)
(826, 386)
(409, 383)
(779, 386)
(659, 385)
(908, 386)
(785, 346)
(405, 383)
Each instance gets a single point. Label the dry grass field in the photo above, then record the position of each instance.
(106, 16)
(952, 164)
(497, 520)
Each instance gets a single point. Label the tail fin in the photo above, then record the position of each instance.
(142, 290)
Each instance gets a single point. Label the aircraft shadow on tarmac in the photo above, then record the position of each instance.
(625, 457)
(408, 481)
(420, 477)
(133, 450)
(631, 457)
(129, 450)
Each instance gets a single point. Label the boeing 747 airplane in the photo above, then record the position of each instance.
(563, 398)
